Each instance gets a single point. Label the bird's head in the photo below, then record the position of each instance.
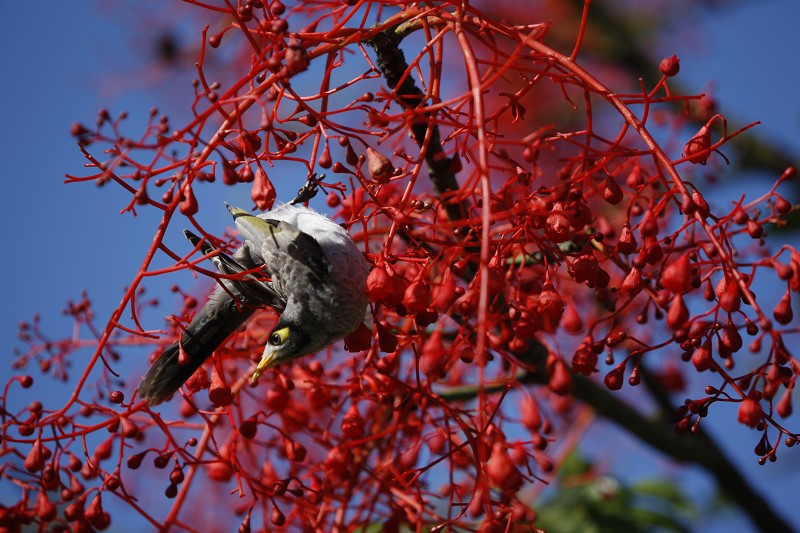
(296, 334)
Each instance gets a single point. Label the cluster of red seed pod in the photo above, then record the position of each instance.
(561, 268)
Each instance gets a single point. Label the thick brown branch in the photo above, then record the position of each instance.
(392, 63)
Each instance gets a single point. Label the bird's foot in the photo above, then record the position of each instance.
(309, 190)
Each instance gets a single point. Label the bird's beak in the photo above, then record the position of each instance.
(267, 362)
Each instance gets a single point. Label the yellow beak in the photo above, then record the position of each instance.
(267, 361)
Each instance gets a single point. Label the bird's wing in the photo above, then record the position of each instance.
(255, 291)
(271, 236)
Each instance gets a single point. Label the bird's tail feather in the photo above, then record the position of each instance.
(220, 317)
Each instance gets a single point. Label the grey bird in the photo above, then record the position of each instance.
(300, 263)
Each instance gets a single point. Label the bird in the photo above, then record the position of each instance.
(293, 259)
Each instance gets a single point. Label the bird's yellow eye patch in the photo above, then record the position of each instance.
(279, 337)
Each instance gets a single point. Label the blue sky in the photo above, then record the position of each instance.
(61, 239)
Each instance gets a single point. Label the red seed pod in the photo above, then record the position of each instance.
(526, 325)
(359, 340)
(248, 428)
(417, 297)
(77, 129)
(318, 397)
(220, 471)
(229, 175)
(425, 318)
(683, 426)
(518, 346)
(135, 461)
(612, 192)
(585, 360)
(176, 477)
(74, 464)
(278, 519)
(116, 397)
(551, 307)
(277, 397)
(739, 215)
(670, 66)
(794, 282)
(94, 511)
(263, 192)
(778, 375)
(294, 451)
(171, 491)
(729, 294)
(784, 406)
(571, 320)
(352, 423)
(245, 174)
(649, 225)
(74, 511)
(678, 313)
(436, 443)
(697, 149)
(701, 358)
(188, 205)
(296, 59)
(35, 459)
(585, 268)
(634, 179)
(783, 271)
(632, 284)
(616, 377)
(672, 379)
(445, 293)
(129, 429)
(530, 415)
(385, 287)
(626, 244)
(700, 204)
(324, 159)
(432, 359)
(750, 413)
(377, 119)
(549, 300)
(731, 338)
(249, 143)
(337, 462)
(198, 381)
(101, 451)
(501, 470)
(754, 229)
(387, 341)
(783, 311)
(333, 200)
(218, 392)
(653, 253)
(350, 156)
(557, 225)
(45, 510)
(677, 275)
(782, 205)
(560, 380)
(379, 166)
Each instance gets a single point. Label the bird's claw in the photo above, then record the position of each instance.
(309, 190)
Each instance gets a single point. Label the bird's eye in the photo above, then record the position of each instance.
(279, 337)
